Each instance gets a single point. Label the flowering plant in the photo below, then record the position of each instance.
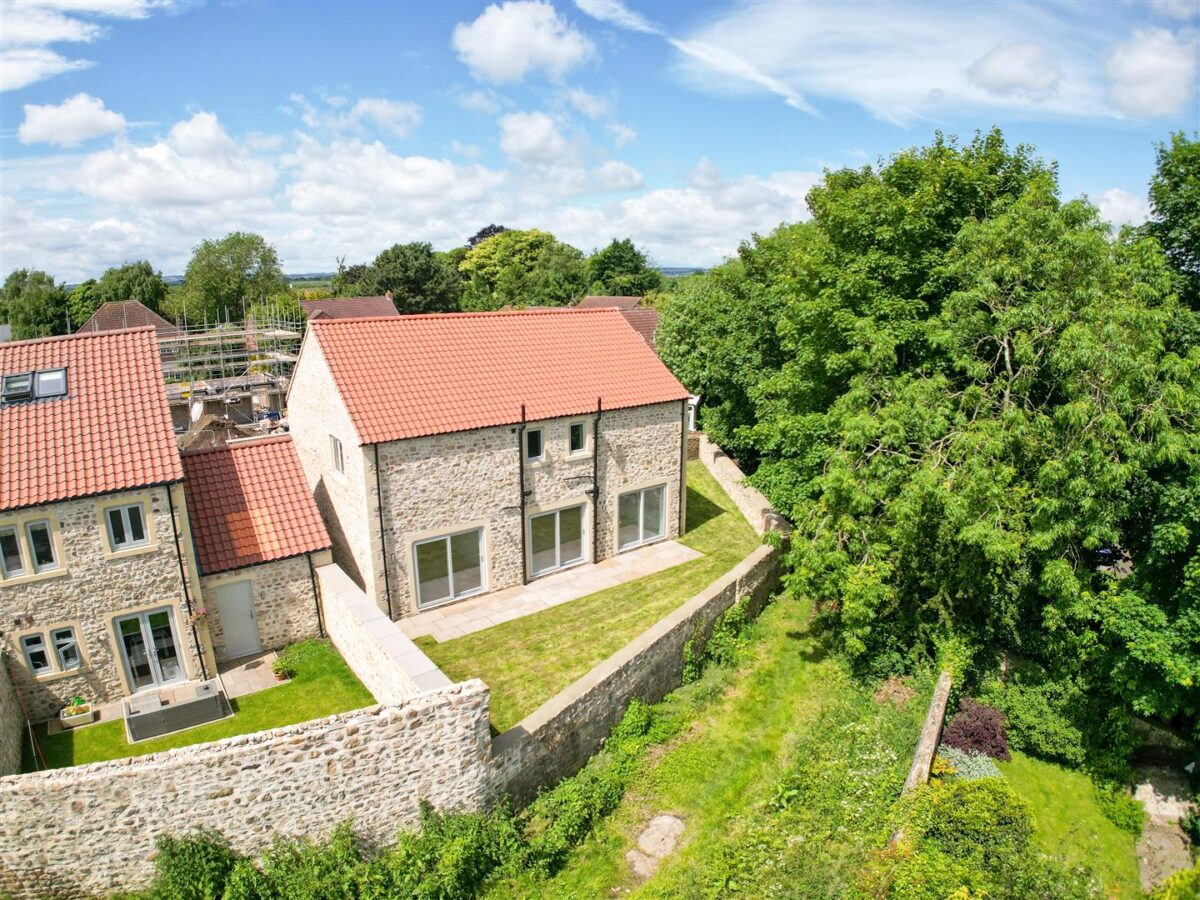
(199, 615)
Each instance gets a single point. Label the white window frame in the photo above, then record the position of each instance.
(142, 616)
(33, 563)
(582, 451)
(37, 383)
(662, 521)
(17, 536)
(337, 454)
(541, 433)
(559, 565)
(123, 512)
(453, 596)
(40, 637)
(59, 645)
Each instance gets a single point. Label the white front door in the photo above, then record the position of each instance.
(235, 606)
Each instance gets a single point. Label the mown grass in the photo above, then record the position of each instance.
(323, 685)
(527, 661)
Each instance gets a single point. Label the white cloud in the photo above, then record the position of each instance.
(1176, 9)
(1021, 68)
(509, 41)
(532, 138)
(617, 13)
(480, 101)
(397, 117)
(1120, 207)
(27, 65)
(77, 119)
(621, 134)
(615, 175)
(589, 104)
(1153, 73)
(32, 25)
(337, 114)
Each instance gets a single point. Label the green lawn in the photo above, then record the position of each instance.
(527, 661)
(1069, 824)
(323, 685)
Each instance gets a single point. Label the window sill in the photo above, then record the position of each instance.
(14, 580)
(139, 550)
(48, 677)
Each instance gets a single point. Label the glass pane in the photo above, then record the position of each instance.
(66, 648)
(164, 646)
(652, 514)
(42, 546)
(542, 550)
(570, 535)
(10, 551)
(628, 531)
(533, 443)
(52, 383)
(465, 557)
(35, 652)
(433, 578)
(116, 524)
(137, 528)
(135, 652)
(576, 437)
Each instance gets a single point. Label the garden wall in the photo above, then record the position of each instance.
(12, 722)
(91, 829)
(753, 505)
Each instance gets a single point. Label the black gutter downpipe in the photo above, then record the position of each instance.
(387, 581)
(683, 445)
(187, 594)
(312, 576)
(521, 482)
(596, 482)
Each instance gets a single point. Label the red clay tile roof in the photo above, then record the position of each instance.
(117, 315)
(349, 307)
(592, 301)
(111, 432)
(644, 322)
(249, 503)
(409, 376)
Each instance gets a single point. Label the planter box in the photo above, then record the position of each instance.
(74, 721)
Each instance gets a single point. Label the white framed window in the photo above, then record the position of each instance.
(335, 452)
(28, 547)
(556, 539)
(126, 527)
(51, 383)
(577, 441)
(66, 648)
(448, 567)
(535, 445)
(41, 545)
(640, 517)
(37, 658)
(11, 561)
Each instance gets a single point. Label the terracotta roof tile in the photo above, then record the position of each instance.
(349, 307)
(111, 432)
(249, 503)
(409, 376)
(593, 301)
(117, 315)
(644, 322)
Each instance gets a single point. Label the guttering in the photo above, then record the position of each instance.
(387, 581)
(596, 482)
(187, 594)
(683, 443)
(312, 576)
(521, 485)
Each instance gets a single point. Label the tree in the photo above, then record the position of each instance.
(1175, 210)
(240, 268)
(522, 268)
(419, 280)
(133, 281)
(345, 282)
(34, 305)
(484, 233)
(621, 270)
(83, 301)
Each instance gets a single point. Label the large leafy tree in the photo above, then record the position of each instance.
(522, 268)
(133, 281)
(82, 302)
(419, 279)
(484, 233)
(34, 305)
(1175, 207)
(622, 270)
(223, 275)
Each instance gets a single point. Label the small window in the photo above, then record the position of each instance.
(534, 445)
(66, 648)
(577, 437)
(41, 545)
(126, 527)
(18, 387)
(36, 656)
(51, 383)
(10, 552)
(339, 461)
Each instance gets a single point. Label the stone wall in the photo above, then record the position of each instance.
(12, 723)
(754, 506)
(559, 737)
(91, 829)
(285, 606)
(385, 660)
(930, 737)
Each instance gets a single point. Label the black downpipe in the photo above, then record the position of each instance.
(187, 594)
(312, 576)
(683, 445)
(521, 482)
(387, 581)
(596, 482)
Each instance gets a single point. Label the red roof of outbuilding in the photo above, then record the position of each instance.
(111, 432)
(249, 503)
(410, 376)
(117, 315)
(644, 322)
(349, 307)
(594, 301)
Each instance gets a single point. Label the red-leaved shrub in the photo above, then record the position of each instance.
(978, 728)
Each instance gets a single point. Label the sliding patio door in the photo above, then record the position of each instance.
(555, 540)
(639, 517)
(449, 567)
(150, 649)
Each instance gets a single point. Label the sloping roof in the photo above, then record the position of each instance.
(111, 432)
(644, 322)
(409, 376)
(349, 307)
(116, 315)
(593, 301)
(249, 503)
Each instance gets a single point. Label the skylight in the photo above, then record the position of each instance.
(45, 384)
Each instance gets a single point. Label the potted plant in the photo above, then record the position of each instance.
(77, 712)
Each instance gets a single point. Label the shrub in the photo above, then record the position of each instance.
(724, 645)
(968, 765)
(1183, 885)
(968, 817)
(301, 869)
(1036, 720)
(977, 728)
(291, 659)
(194, 866)
(1121, 808)
(1191, 826)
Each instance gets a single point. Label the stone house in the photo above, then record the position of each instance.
(461, 453)
(259, 537)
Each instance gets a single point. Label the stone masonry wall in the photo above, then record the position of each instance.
(284, 603)
(754, 506)
(89, 830)
(12, 723)
(91, 590)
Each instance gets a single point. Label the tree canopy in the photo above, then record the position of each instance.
(522, 268)
(33, 304)
(621, 270)
(240, 268)
(420, 280)
(133, 281)
(484, 233)
(1175, 209)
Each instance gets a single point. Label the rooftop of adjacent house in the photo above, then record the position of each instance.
(117, 315)
(593, 301)
(249, 503)
(644, 322)
(349, 307)
(409, 376)
(83, 415)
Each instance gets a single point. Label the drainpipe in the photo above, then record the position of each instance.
(387, 581)
(521, 482)
(187, 594)
(683, 428)
(596, 482)
(312, 576)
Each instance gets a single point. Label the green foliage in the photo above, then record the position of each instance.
(300, 869)
(82, 302)
(193, 866)
(294, 657)
(1180, 886)
(515, 269)
(1175, 210)
(1191, 826)
(285, 306)
(133, 281)
(33, 305)
(1121, 808)
(967, 764)
(724, 645)
(420, 280)
(621, 270)
(240, 268)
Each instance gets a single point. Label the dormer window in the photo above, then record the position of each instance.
(45, 384)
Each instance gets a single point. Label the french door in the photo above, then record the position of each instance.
(639, 517)
(555, 540)
(150, 649)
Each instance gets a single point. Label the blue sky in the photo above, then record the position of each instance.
(136, 128)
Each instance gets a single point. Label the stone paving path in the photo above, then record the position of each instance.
(1163, 849)
(656, 842)
(456, 619)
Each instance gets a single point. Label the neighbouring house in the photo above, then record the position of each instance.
(460, 453)
(349, 307)
(119, 315)
(644, 319)
(258, 536)
(594, 301)
(96, 586)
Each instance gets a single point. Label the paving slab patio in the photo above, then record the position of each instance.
(477, 613)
